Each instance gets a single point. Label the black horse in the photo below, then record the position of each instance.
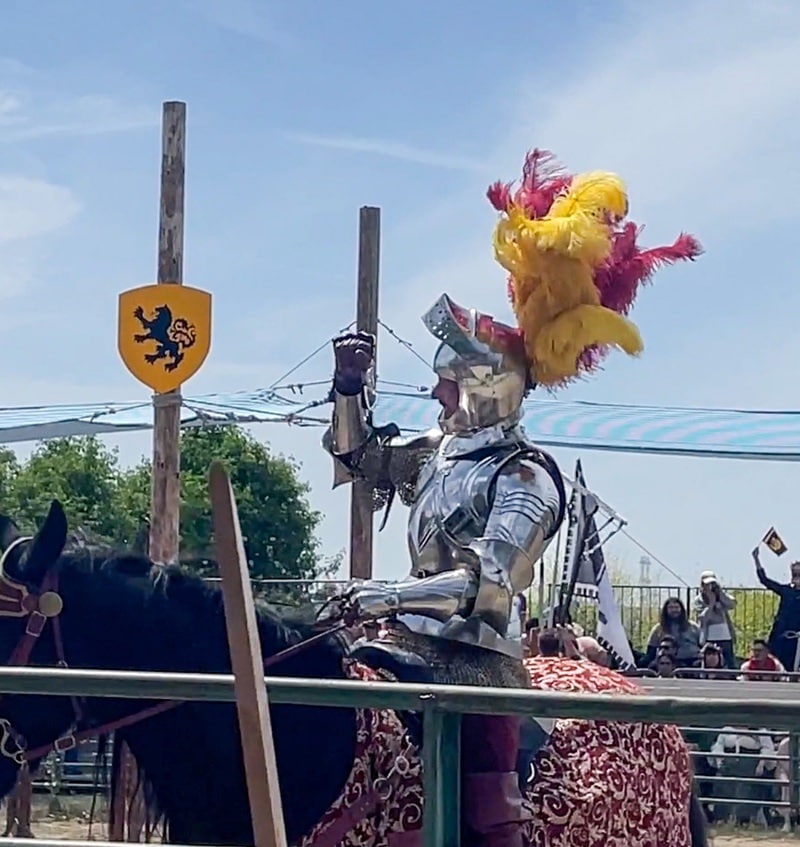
(121, 612)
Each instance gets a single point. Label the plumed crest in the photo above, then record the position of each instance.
(574, 265)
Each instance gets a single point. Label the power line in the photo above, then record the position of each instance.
(403, 343)
(653, 556)
(308, 358)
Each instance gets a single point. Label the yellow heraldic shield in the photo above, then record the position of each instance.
(164, 333)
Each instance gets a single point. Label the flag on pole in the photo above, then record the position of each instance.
(610, 631)
(774, 542)
(577, 577)
(586, 574)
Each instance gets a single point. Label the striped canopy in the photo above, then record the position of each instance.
(555, 423)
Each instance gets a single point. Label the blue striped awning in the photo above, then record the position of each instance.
(556, 423)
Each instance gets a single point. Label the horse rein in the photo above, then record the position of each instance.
(39, 606)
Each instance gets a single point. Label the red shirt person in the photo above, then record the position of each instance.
(762, 660)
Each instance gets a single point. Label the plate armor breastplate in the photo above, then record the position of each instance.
(452, 503)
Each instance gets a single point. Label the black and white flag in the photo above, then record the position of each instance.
(586, 574)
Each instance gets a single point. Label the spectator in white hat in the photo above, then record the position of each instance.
(713, 606)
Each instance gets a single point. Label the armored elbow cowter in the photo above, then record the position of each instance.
(523, 520)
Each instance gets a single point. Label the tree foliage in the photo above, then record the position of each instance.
(106, 500)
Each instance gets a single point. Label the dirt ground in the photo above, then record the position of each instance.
(69, 819)
(754, 839)
(76, 830)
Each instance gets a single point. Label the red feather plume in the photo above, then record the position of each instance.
(628, 266)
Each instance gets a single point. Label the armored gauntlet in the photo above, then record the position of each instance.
(439, 597)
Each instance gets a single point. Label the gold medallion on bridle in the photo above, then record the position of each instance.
(164, 333)
(50, 604)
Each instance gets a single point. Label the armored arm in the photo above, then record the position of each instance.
(352, 395)
(526, 512)
(360, 450)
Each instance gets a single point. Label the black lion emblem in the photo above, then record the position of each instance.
(172, 337)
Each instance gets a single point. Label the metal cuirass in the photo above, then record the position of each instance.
(453, 500)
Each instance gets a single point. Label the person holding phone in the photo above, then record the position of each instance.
(713, 606)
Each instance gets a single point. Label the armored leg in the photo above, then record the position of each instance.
(491, 796)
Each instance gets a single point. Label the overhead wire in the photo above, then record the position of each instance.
(298, 418)
(309, 357)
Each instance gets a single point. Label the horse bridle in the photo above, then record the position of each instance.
(44, 604)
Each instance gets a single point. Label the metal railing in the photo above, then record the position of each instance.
(441, 706)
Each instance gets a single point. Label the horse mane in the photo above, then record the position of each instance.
(178, 585)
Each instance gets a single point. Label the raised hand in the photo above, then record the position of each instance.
(354, 354)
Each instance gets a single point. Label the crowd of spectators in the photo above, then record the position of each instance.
(743, 772)
(706, 646)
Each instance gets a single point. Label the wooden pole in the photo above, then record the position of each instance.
(369, 257)
(255, 727)
(166, 492)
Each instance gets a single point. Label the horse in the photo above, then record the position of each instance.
(347, 776)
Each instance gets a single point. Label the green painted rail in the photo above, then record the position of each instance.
(683, 709)
(440, 705)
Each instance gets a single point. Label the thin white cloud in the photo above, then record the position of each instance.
(390, 150)
(693, 112)
(246, 18)
(31, 207)
(24, 118)
(705, 139)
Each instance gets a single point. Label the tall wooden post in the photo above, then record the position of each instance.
(166, 493)
(369, 256)
(127, 819)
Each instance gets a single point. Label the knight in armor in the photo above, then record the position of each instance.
(485, 501)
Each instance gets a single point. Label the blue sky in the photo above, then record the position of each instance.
(301, 112)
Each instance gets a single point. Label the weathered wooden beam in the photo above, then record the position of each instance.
(166, 494)
(252, 705)
(165, 500)
(369, 258)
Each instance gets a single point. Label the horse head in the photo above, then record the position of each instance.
(28, 598)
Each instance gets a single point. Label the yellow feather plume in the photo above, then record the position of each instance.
(560, 343)
(595, 193)
(552, 261)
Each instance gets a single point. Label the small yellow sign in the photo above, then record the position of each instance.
(164, 333)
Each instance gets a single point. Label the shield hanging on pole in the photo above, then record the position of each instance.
(164, 333)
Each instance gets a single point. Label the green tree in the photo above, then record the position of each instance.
(753, 616)
(80, 472)
(9, 468)
(278, 523)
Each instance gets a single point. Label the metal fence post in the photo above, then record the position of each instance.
(794, 786)
(441, 783)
